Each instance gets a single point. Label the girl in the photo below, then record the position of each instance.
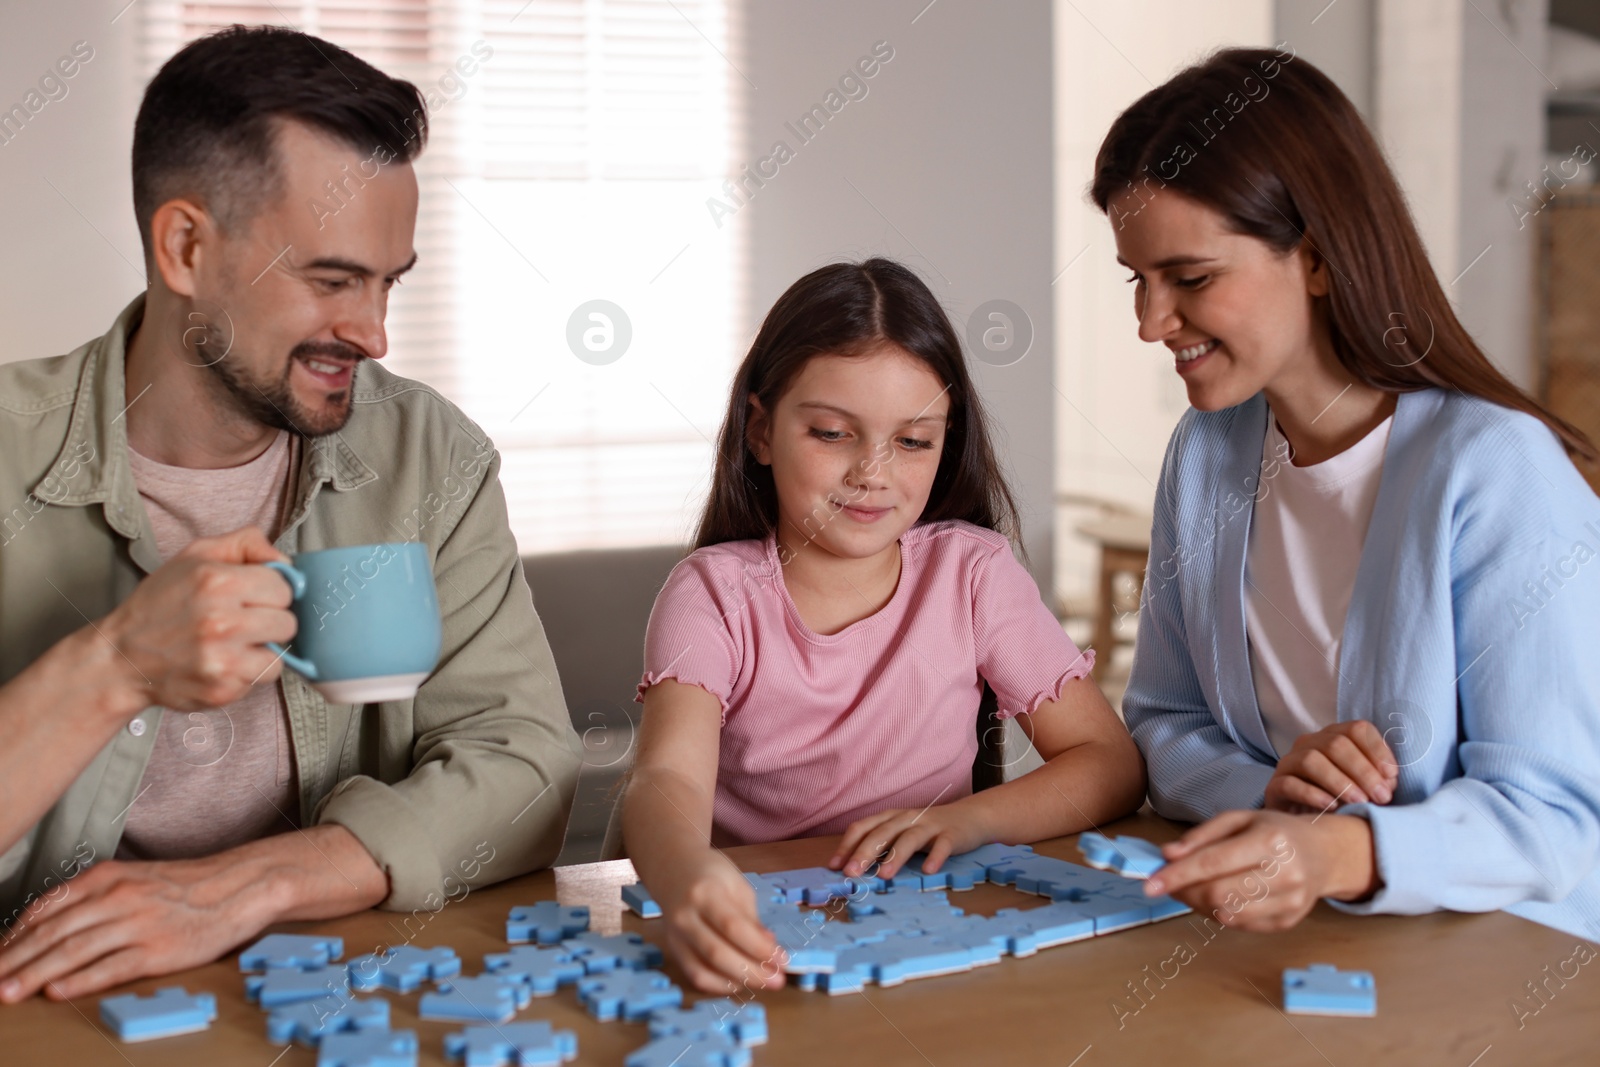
(815, 666)
(1369, 608)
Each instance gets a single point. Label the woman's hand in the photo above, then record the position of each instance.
(1265, 870)
(1346, 763)
(896, 834)
(712, 928)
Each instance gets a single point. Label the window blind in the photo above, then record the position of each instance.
(573, 164)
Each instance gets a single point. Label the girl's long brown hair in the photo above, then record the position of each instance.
(1269, 142)
(848, 309)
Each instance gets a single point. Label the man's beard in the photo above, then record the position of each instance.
(272, 403)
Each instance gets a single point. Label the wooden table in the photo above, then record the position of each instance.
(1445, 986)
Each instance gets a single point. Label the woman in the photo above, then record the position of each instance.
(1364, 653)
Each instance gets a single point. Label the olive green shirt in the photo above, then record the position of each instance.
(467, 783)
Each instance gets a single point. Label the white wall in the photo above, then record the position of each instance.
(1119, 398)
(71, 256)
(1460, 112)
(944, 165)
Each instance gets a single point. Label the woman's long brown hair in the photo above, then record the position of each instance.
(849, 309)
(1271, 143)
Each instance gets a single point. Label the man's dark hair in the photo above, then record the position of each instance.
(206, 127)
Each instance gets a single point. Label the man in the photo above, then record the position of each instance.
(166, 791)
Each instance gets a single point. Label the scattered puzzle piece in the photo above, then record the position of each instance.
(300, 952)
(640, 902)
(542, 969)
(601, 952)
(630, 995)
(166, 1013)
(1323, 989)
(309, 1021)
(369, 1048)
(485, 998)
(679, 1050)
(545, 922)
(528, 1044)
(1131, 857)
(745, 1023)
(276, 988)
(403, 968)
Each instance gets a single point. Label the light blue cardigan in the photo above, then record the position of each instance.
(1471, 642)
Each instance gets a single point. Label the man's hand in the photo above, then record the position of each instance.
(120, 921)
(1346, 763)
(193, 634)
(1266, 870)
(895, 835)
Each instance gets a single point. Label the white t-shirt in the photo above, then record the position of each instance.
(1305, 545)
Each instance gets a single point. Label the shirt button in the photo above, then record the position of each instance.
(136, 727)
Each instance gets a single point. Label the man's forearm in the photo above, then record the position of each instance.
(318, 873)
(56, 715)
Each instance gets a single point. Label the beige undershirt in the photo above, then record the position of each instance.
(222, 777)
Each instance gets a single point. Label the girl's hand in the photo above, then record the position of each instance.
(710, 914)
(897, 833)
(1346, 763)
(1265, 870)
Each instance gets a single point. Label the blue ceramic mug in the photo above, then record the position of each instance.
(369, 621)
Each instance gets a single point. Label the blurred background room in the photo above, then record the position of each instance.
(616, 190)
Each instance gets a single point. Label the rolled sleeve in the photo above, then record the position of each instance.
(690, 638)
(1022, 651)
(481, 788)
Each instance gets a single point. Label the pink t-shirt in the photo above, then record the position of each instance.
(818, 731)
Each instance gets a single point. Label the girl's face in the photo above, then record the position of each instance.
(1237, 316)
(853, 445)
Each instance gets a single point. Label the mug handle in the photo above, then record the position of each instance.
(297, 589)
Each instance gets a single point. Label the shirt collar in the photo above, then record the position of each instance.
(92, 466)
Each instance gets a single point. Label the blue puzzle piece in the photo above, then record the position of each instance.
(819, 949)
(1166, 908)
(679, 1050)
(640, 902)
(168, 1012)
(1132, 857)
(542, 969)
(898, 904)
(1041, 875)
(870, 928)
(1026, 932)
(369, 1048)
(1323, 989)
(766, 892)
(745, 1023)
(276, 988)
(300, 952)
(309, 1021)
(486, 998)
(600, 952)
(1112, 913)
(987, 856)
(919, 957)
(812, 885)
(404, 968)
(529, 1044)
(895, 960)
(545, 922)
(630, 995)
